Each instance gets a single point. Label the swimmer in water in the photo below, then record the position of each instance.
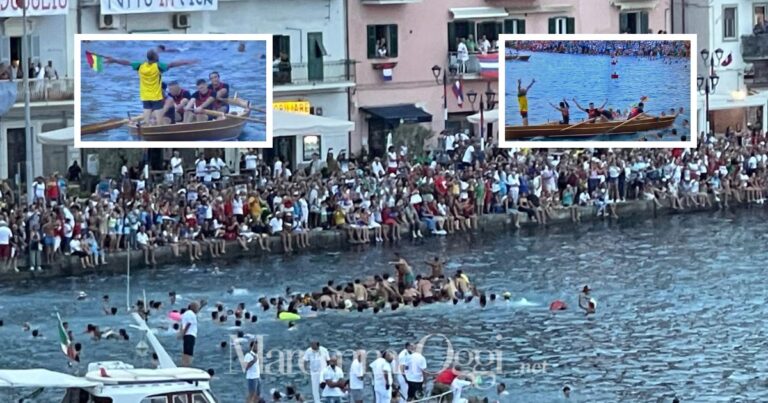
(585, 301)
(436, 267)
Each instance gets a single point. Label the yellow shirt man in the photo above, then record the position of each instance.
(150, 80)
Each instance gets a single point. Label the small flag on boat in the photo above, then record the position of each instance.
(66, 344)
(387, 74)
(489, 65)
(96, 62)
(458, 91)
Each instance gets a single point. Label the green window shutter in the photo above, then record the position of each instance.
(643, 22)
(520, 26)
(623, 23)
(392, 40)
(452, 37)
(371, 41)
(570, 25)
(552, 25)
(285, 45)
(508, 24)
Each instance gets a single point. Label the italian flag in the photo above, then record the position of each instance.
(66, 344)
(95, 61)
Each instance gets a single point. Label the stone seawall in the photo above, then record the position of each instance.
(320, 240)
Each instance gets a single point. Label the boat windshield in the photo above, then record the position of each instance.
(182, 397)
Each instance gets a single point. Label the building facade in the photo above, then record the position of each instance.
(737, 100)
(50, 33)
(423, 35)
(309, 50)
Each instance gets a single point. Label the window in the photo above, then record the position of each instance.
(281, 46)
(729, 23)
(155, 399)
(311, 146)
(489, 29)
(180, 399)
(514, 26)
(633, 23)
(759, 14)
(382, 41)
(199, 398)
(562, 25)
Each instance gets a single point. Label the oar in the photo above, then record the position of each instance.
(241, 103)
(110, 124)
(625, 122)
(577, 124)
(229, 115)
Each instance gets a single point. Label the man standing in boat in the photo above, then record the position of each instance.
(522, 99)
(594, 114)
(150, 82)
(221, 92)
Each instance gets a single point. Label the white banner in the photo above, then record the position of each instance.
(156, 6)
(10, 8)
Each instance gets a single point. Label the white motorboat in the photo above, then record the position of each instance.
(118, 382)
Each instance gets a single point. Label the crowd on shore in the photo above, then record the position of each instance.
(656, 49)
(371, 200)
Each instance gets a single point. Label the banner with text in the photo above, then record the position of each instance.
(156, 6)
(302, 107)
(13, 8)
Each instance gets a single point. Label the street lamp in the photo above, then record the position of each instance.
(436, 72)
(489, 101)
(708, 84)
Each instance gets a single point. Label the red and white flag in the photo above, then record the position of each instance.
(458, 91)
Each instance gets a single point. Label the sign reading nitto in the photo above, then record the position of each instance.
(156, 6)
(302, 107)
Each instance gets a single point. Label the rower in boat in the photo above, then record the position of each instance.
(150, 82)
(202, 99)
(638, 109)
(564, 109)
(176, 101)
(221, 91)
(595, 114)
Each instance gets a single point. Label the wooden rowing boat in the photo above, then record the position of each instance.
(227, 128)
(589, 129)
(520, 58)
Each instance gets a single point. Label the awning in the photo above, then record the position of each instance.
(61, 137)
(491, 116)
(635, 5)
(41, 378)
(405, 113)
(293, 124)
(477, 13)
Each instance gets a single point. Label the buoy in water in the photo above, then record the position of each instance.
(174, 316)
(288, 316)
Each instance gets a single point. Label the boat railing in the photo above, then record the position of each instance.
(335, 71)
(44, 89)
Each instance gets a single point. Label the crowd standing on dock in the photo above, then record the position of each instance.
(370, 200)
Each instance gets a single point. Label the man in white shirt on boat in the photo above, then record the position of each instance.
(188, 332)
(333, 377)
(414, 374)
(356, 373)
(253, 373)
(317, 358)
(382, 377)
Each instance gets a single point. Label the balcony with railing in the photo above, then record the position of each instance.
(46, 90)
(471, 68)
(754, 47)
(306, 76)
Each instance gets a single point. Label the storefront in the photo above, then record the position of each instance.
(297, 136)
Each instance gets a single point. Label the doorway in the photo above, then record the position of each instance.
(17, 155)
(633, 23)
(282, 147)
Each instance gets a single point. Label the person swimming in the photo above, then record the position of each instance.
(586, 302)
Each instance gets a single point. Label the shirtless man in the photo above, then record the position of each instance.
(361, 293)
(436, 267)
(425, 289)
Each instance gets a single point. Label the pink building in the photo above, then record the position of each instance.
(400, 44)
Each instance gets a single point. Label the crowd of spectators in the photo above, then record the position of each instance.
(611, 48)
(196, 208)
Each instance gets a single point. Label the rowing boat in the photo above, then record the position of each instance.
(589, 129)
(520, 58)
(227, 128)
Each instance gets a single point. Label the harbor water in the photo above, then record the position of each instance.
(666, 83)
(114, 92)
(680, 311)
